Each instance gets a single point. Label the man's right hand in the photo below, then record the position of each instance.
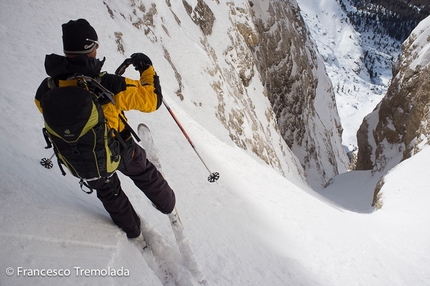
(140, 62)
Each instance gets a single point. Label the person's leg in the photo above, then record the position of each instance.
(117, 204)
(147, 178)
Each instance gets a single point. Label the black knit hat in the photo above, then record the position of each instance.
(79, 37)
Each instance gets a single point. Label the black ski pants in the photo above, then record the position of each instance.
(146, 177)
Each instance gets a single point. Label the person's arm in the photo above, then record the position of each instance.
(144, 94)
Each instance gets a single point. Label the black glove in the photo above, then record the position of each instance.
(140, 62)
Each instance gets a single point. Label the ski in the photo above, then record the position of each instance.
(182, 241)
(147, 143)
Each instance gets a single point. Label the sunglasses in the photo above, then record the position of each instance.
(93, 42)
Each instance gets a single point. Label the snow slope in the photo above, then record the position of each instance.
(255, 227)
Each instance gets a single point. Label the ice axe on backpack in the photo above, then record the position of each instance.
(121, 69)
(213, 176)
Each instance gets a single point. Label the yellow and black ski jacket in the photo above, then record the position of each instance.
(144, 95)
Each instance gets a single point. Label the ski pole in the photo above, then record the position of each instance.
(47, 162)
(212, 176)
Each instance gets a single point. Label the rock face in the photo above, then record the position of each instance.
(400, 125)
(299, 90)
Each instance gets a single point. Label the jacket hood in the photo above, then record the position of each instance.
(60, 67)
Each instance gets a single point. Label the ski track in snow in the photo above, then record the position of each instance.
(164, 260)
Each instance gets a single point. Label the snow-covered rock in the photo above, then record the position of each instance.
(400, 125)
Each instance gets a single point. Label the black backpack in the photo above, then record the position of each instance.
(77, 128)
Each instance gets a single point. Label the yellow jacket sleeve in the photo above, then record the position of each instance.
(143, 95)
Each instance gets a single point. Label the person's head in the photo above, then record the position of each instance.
(79, 38)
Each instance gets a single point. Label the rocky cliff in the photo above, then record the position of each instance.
(298, 88)
(400, 124)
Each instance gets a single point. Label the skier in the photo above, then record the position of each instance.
(80, 43)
